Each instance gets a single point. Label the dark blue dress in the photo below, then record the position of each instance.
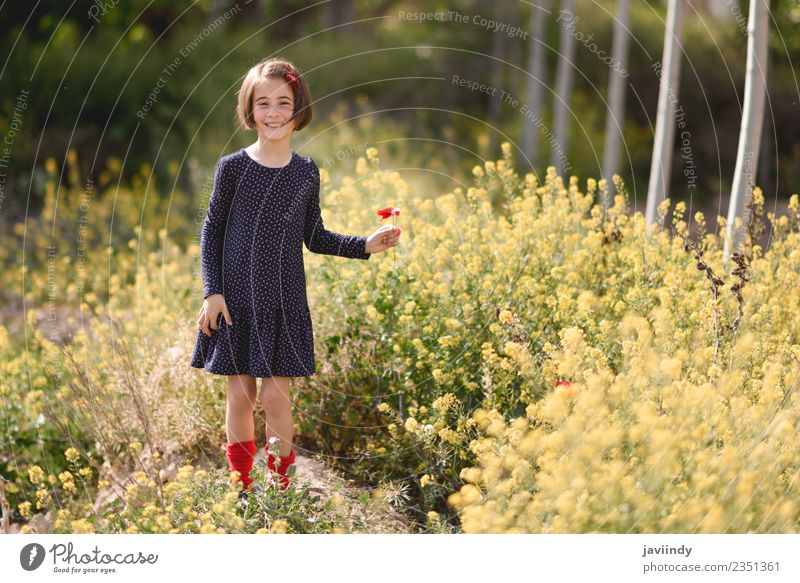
(251, 251)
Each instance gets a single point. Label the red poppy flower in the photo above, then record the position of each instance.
(562, 382)
(388, 212)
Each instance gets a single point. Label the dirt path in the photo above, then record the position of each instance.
(377, 518)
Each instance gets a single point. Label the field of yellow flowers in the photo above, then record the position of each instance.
(521, 363)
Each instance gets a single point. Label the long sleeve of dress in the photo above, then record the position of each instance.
(320, 240)
(213, 234)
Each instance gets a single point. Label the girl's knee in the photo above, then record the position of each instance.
(242, 391)
(275, 393)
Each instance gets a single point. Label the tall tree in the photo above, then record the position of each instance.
(499, 48)
(564, 74)
(669, 71)
(338, 12)
(615, 117)
(515, 57)
(536, 81)
(755, 86)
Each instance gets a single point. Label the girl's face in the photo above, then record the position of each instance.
(273, 105)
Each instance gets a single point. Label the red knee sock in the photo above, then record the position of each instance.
(285, 462)
(240, 457)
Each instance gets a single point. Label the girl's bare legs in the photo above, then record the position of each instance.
(239, 412)
(277, 403)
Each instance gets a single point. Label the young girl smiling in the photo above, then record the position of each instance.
(255, 321)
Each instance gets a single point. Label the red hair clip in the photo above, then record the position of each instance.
(290, 76)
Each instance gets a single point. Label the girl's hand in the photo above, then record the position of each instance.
(213, 306)
(382, 239)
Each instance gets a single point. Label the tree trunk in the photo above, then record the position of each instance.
(536, 81)
(515, 57)
(615, 118)
(338, 12)
(767, 135)
(564, 74)
(497, 65)
(752, 122)
(665, 122)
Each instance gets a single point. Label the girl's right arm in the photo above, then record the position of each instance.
(212, 242)
(213, 233)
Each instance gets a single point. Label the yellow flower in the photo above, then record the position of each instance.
(450, 436)
(425, 480)
(433, 516)
(572, 337)
(82, 526)
(280, 526)
(411, 425)
(25, 509)
(185, 473)
(63, 515)
(470, 475)
(163, 522)
(383, 407)
(72, 455)
(445, 402)
(36, 475)
(506, 317)
(42, 497)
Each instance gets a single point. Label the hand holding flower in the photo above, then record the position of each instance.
(386, 236)
(382, 238)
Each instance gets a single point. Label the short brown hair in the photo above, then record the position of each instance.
(274, 68)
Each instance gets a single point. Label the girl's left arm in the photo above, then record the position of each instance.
(319, 240)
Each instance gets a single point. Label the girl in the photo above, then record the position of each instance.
(255, 320)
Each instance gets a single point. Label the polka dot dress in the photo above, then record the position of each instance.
(252, 253)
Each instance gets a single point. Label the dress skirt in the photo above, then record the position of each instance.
(267, 343)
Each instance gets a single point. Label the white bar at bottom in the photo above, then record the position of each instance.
(389, 558)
